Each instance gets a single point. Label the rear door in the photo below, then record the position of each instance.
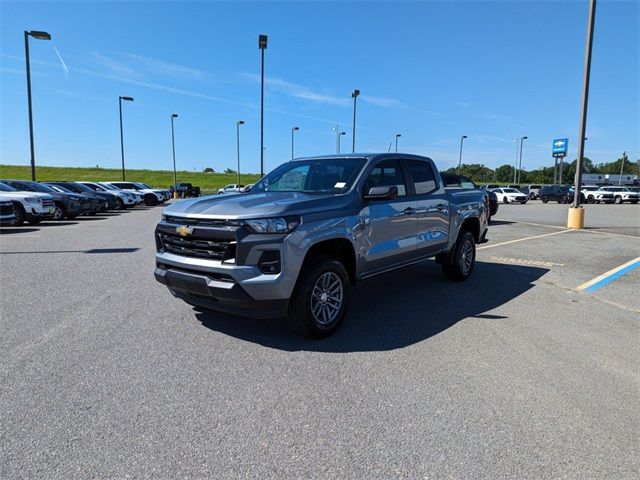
(432, 215)
(389, 226)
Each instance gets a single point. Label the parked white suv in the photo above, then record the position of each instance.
(594, 194)
(623, 194)
(33, 207)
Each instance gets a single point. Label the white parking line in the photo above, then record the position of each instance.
(523, 239)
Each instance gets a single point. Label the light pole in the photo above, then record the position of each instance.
(338, 138)
(575, 217)
(120, 99)
(39, 36)
(460, 157)
(515, 163)
(522, 139)
(294, 129)
(173, 144)
(398, 135)
(238, 123)
(354, 95)
(262, 45)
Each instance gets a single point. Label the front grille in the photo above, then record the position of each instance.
(47, 203)
(192, 247)
(213, 222)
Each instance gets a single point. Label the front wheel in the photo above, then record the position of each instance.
(505, 200)
(59, 212)
(319, 302)
(617, 200)
(544, 199)
(464, 258)
(591, 199)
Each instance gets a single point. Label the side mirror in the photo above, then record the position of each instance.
(382, 193)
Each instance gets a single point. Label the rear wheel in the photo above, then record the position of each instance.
(591, 199)
(544, 199)
(119, 204)
(459, 266)
(562, 199)
(319, 302)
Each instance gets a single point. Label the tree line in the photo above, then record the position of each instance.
(481, 174)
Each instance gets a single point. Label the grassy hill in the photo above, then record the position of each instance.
(208, 182)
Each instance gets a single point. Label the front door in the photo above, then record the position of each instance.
(388, 226)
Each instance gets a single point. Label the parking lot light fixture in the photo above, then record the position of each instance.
(398, 135)
(238, 123)
(120, 99)
(173, 145)
(38, 35)
(294, 129)
(262, 45)
(460, 158)
(354, 95)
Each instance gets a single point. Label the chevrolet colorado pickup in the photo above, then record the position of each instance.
(306, 232)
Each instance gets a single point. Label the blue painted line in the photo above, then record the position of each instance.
(606, 280)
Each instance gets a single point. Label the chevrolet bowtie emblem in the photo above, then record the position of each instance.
(184, 230)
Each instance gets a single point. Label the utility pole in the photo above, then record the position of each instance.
(624, 158)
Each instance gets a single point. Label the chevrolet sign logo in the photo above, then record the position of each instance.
(184, 230)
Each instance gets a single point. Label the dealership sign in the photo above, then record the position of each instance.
(560, 147)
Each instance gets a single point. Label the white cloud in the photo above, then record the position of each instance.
(167, 68)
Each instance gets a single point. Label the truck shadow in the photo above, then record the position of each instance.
(395, 310)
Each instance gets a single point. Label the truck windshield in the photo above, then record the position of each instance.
(326, 175)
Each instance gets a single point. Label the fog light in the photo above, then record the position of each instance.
(269, 262)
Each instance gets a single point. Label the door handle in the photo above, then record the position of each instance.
(409, 211)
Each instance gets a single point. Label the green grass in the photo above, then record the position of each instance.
(208, 182)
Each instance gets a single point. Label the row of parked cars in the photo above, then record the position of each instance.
(33, 202)
(566, 193)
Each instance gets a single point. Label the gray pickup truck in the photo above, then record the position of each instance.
(306, 232)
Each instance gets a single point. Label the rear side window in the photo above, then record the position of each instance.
(423, 179)
(387, 174)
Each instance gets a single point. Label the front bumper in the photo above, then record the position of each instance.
(218, 292)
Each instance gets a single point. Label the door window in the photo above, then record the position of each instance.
(386, 174)
(423, 179)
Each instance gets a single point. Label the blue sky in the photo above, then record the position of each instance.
(431, 71)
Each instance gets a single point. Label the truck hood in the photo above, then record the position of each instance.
(256, 205)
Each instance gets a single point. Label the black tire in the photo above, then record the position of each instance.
(524, 202)
(617, 200)
(305, 298)
(60, 212)
(120, 204)
(544, 199)
(20, 215)
(34, 221)
(562, 199)
(591, 199)
(505, 199)
(459, 267)
(150, 200)
(634, 202)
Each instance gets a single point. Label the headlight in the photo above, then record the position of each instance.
(273, 225)
(33, 200)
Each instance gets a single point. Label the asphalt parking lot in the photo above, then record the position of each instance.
(514, 374)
